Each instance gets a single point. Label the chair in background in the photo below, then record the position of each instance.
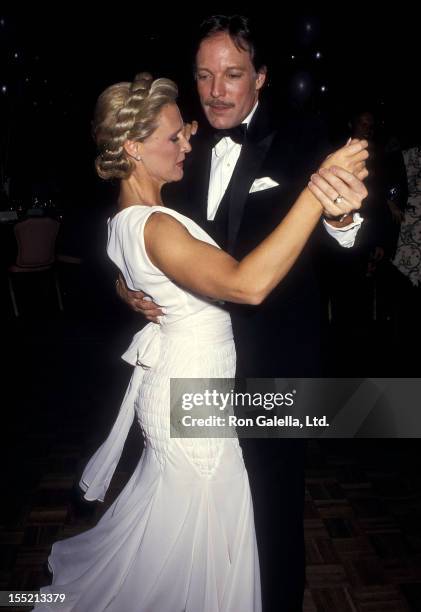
(69, 259)
(36, 240)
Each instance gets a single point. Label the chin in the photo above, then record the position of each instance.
(220, 122)
(177, 176)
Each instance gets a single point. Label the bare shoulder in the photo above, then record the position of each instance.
(166, 241)
(160, 220)
(162, 225)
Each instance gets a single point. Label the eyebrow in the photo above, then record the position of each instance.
(235, 67)
(177, 132)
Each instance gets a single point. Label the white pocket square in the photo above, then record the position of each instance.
(263, 183)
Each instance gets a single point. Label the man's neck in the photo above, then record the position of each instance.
(251, 113)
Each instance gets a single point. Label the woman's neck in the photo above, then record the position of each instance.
(136, 191)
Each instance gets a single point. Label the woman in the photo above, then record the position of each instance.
(180, 536)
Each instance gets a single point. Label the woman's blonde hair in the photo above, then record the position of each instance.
(127, 111)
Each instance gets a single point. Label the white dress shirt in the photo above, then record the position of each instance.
(225, 155)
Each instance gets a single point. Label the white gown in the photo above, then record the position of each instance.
(180, 536)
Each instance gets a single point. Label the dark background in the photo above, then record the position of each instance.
(64, 379)
(66, 55)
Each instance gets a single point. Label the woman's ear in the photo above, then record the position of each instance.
(132, 148)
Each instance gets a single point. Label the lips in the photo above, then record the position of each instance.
(220, 109)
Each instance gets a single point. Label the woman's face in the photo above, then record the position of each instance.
(163, 152)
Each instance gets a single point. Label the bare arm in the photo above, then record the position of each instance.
(216, 274)
(208, 271)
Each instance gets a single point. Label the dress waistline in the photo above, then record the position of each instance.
(143, 353)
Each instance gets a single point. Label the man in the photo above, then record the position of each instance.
(238, 184)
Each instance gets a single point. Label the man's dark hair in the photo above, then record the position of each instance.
(240, 30)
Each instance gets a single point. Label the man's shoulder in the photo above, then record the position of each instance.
(280, 115)
(303, 129)
(291, 132)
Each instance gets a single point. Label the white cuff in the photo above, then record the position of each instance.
(345, 235)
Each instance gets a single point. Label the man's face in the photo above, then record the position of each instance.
(227, 82)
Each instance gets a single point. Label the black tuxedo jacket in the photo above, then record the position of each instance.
(281, 336)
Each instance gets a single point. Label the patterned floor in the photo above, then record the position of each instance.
(363, 498)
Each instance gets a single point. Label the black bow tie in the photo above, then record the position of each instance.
(237, 134)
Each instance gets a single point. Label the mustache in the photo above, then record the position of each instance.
(214, 104)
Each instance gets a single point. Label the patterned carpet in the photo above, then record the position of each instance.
(363, 498)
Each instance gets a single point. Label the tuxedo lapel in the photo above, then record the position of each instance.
(202, 178)
(190, 196)
(258, 140)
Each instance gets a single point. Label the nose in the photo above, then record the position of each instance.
(218, 87)
(185, 145)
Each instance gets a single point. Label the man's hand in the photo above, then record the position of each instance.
(343, 222)
(327, 184)
(350, 157)
(138, 301)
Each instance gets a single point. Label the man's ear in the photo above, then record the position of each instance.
(261, 77)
